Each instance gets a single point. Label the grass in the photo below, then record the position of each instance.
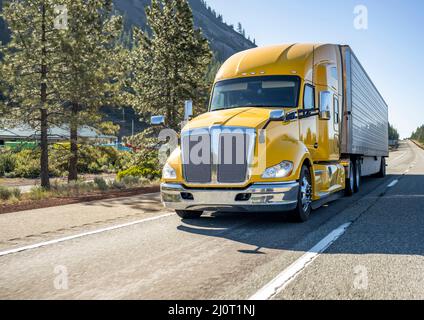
(7, 194)
(72, 189)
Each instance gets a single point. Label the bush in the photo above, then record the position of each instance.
(5, 193)
(7, 163)
(38, 193)
(147, 166)
(27, 164)
(119, 185)
(101, 184)
(133, 172)
(16, 193)
(131, 181)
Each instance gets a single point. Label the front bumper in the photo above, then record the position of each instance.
(258, 197)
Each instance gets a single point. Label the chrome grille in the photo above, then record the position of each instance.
(217, 155)
(232, 166)
(197, 170)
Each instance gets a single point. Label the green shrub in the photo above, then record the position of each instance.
(131, 172)
(38, 193)
(119, 185)
(27, 164)
(16, 193)
(130, 181)
(101, 184)
(5, 193)
(7, 163)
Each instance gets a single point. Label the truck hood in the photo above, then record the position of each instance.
(238, 117)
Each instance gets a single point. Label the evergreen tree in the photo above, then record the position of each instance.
(170, 66)
(393, 133)
(31, 69)
(239, 28)
(94, 66)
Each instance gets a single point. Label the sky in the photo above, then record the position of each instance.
(390, 45)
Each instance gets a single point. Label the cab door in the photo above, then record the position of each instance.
(308, 124)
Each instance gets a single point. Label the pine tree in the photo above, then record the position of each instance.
(239, 28)
(31, 69)
(170, 66)
(94, 66)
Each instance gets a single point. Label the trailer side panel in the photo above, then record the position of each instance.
(366, 113)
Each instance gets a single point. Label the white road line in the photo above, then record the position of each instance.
(85, 234)
(288, 275)
(393, 183)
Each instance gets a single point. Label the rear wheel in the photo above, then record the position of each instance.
(304, 201)
(358, 173)
(350, 180)
(382, 172)
(184, 214)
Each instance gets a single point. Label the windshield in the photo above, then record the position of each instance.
(268, 91)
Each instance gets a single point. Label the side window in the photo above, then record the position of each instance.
(309, 97)
(336, 110)
(334, 73)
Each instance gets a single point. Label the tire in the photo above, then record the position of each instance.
(184, 214)
(358, 172)
(350, 181)
(304, 199)
(382, 172)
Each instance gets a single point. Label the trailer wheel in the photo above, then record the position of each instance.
(304, 200)
(358, 172)
(184, 214)
(350, 181)
(382, 172)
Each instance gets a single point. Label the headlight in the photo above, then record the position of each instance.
(282, 170)
(168, 172)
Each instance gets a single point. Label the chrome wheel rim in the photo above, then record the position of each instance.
(306, 194)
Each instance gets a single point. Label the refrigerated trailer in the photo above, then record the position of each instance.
(307, 120)
(365, 125)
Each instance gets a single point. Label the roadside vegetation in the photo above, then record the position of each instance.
(54, 74)
(418, 135)
(91, 160)
(74, 189)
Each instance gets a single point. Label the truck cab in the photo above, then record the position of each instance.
(274, 138)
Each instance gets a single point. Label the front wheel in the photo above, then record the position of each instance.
(304, 200)
(184, 214)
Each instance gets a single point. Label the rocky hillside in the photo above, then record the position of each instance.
(224, 40)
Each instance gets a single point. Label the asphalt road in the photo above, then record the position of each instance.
(132, 249)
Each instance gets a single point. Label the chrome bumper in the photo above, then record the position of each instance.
(258, 197)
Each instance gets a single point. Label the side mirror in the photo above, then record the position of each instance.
(325, 105)
(157, 120)
(188, 110)
(277, 115)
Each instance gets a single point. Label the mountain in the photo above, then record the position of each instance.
(224, 40)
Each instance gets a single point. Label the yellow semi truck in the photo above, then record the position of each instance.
(289, 128)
